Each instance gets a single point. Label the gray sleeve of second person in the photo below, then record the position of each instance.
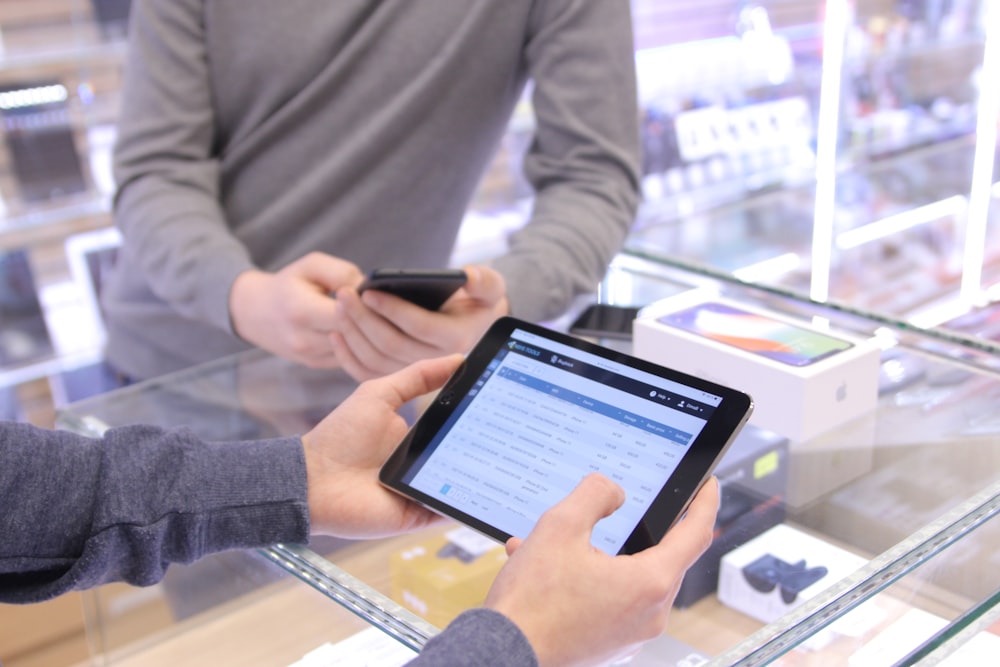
(584, 161)
(77, 512)
(167, 198)
(478, 637)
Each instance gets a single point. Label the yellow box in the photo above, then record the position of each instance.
(441, 577)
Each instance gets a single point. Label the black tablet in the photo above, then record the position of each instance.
(532, 411)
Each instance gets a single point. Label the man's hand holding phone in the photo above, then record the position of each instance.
(377, 332)
(290, 313)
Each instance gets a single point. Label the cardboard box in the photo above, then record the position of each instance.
(802, 385)
(28, 629)
(443, 576)
(778, 570)
(753, 476)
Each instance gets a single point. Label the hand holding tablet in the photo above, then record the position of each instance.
(532, 411)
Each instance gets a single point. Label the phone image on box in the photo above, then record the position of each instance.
(757, 333)
(602, 320)
(532, 411)
(427, 288)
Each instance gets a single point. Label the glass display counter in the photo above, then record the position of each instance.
(60, 72)
(908, 494)
(61, 67)
(883, 124)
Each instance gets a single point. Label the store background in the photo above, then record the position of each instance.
(737, 179)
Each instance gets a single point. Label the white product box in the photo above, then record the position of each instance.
(779, 569)
(914, 628)
(809, 381)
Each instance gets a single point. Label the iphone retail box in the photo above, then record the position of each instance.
(442, 576)
(780, 569)
(804, 380)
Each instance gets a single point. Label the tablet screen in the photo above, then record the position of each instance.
(534, 412)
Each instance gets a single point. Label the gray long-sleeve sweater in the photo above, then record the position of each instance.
(78, 512)
(253, 132)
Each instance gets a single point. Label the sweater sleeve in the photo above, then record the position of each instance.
(585, 158)
(167, 199)
(79, 512)
(478, 637)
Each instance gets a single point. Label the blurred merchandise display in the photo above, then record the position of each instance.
(24, 336)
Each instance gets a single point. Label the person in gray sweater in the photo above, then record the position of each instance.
(271, 153)
(80, 512)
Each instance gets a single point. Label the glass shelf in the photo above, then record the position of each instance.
(961, 641)
(85, 54)
(896, 248)
(889, 154)
(55, 168)
(69, 209)
(909, 489)
(42, 34)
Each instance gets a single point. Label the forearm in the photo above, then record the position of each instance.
(585, 160)
(80, 512)
(563, 252)
(168, 199)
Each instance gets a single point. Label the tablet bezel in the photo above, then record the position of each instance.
(695, 467)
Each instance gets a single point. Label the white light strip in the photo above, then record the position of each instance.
(827, 129)
(901, 221)
(769, 268)
(938, 314)
(982, 165)
(617, 288)
(28, 97)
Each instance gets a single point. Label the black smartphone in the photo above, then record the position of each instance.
(601, 320)
(427, 288)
